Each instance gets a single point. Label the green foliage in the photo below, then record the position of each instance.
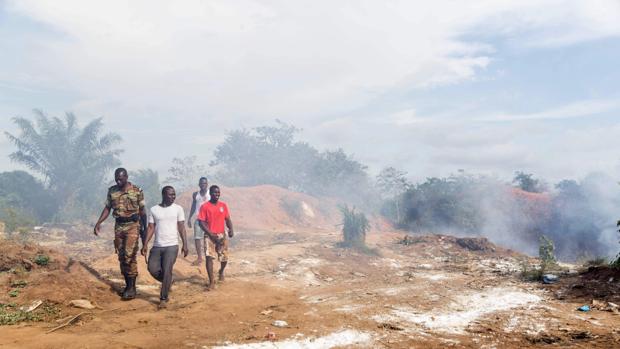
(26, 195)
(148, 180)
(531, 272)
(596, 262)
(392, 184)
(575, 216)
(616, 262)
(42, 260)
(15, 219)
(71, 160)
(19, 283)
(451, 203)
(270, 155)
(184, 173)
(546, 253)
(527, 182)
(354, 227)
(10, 314)
(14, 293)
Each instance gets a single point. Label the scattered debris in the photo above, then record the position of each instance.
(280, 323)
(71, 321)
(409, 240)
(82, 304)
(271, 336)
(32, 307)
(584, 308)
(549, 278)
(358, 274)
(581, 335)
(476, 244)
(604, 306)
(389, 326)
(266, 312)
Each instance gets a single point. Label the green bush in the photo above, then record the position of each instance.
(354, 227)
(546, 253)
(42, 260)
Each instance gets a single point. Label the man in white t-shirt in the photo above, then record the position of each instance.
(166, 221)
(198, 198)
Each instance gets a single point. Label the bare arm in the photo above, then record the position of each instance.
(149, 234)
(181, 229)
(104, 215)
(192, 210)
(205, 228)
(229, 225)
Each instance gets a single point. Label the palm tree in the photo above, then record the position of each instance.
(71, 160)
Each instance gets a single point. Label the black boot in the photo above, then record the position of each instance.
(121, 292)
(130, 291)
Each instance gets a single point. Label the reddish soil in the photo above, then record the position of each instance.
(433, 292)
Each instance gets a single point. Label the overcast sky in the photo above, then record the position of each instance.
(428, 87)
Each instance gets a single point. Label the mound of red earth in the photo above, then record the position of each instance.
(30, 272)
(272, 208)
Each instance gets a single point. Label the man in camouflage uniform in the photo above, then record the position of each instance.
(127, 204)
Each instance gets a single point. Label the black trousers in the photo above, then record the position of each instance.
(161, 261)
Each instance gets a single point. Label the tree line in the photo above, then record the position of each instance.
(69, 166)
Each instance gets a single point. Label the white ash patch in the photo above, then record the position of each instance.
(463, 310)
(392, 291)
(349, 308)
(432, 277)
(336, 339)
(501, 265)
(310, 279)
(310, 262)
(391, 263)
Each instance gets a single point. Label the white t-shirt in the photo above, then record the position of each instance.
(199, 200)
(165, 219)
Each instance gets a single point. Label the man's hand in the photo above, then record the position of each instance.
(189, 223)
(143, 250)
(231, 233)
(97, 229)
(185, 251)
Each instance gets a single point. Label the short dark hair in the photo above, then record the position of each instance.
(119, 170)
(213, 187)
(201, 178)
(163, 190)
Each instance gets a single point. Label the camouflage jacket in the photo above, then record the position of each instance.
(125, 204)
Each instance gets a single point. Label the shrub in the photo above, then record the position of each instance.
(354, 227)
(42, 260)
(545, 253)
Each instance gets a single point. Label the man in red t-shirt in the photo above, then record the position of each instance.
(214, 218)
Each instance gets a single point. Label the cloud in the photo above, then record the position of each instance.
(264, 59)
(578, 109)
(194, 69)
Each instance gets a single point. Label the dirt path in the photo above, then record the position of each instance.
(432, 293)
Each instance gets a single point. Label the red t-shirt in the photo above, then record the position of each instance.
(215, 215)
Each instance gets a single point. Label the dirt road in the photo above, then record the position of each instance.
(435, 292)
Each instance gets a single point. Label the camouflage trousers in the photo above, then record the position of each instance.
(126, 243)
